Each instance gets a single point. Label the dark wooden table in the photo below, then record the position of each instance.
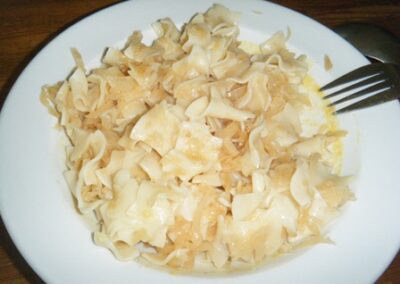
(27, 25)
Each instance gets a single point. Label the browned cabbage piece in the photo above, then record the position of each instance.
(197, 155)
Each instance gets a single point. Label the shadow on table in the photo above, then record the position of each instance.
(16, 258)
(21, 66)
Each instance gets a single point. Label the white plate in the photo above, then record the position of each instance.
(37, 208)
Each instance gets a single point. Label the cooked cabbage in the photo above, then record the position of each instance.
(199, 152)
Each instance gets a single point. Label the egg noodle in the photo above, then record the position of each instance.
(200, 152)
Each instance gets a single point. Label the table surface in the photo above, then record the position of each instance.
(26, 26)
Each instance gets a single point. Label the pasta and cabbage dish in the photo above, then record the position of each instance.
(200, 152)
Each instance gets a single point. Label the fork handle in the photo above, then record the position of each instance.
(372, 41)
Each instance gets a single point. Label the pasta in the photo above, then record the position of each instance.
(200, 152)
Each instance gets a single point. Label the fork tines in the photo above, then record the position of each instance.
(382, 80)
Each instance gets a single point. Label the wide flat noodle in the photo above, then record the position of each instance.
(199, 152)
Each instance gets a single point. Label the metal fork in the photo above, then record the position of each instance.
(380, 79)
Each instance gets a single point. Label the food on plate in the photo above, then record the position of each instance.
(200, 152)
(327, 63)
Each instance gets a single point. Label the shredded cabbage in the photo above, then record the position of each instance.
(199, 152)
